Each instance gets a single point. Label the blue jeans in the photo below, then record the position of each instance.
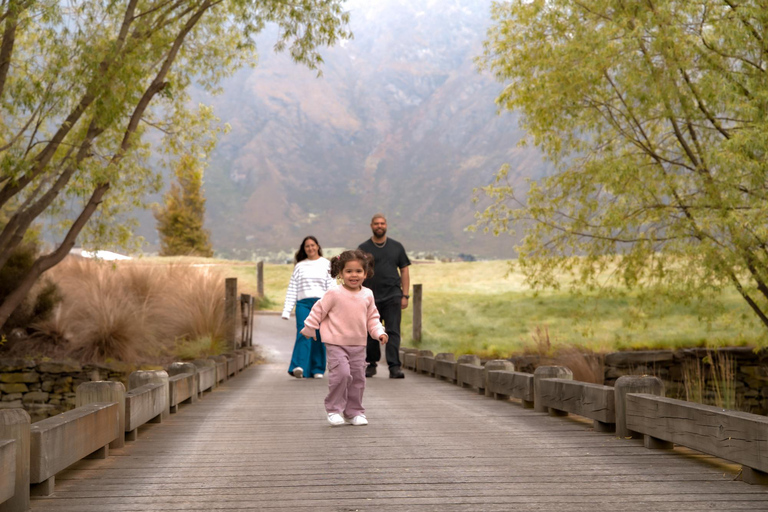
(308, 354)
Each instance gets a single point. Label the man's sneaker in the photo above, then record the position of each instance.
(396, 373)
(370, 371)
(359, 420)
(298, 372)
(335, 419)
(318, 375)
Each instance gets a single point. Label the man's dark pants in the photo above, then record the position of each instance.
(390, 312)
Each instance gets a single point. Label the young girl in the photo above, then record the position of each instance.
(345, 315)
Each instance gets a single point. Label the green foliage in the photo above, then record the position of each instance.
(199, 348)
(654, 114)
(180, 220)
(38, 305)
(264, 303)
(83, 84)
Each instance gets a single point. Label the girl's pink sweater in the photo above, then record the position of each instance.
(344, 317)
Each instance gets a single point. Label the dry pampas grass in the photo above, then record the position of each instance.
(129, 311)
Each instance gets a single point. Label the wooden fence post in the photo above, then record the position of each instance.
(230, 311)
(247, 307)
(260, 279)
(15, 424)
(250, 322)
(417, 313)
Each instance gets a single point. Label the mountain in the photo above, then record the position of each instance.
(400, 122)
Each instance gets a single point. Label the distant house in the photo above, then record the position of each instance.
(99, 255)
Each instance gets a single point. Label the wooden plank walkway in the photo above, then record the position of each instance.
(261, 442)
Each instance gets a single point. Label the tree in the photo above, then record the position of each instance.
(180, 220)
(82, 82)
(655, 116)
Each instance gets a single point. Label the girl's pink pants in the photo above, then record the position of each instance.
(346, 380)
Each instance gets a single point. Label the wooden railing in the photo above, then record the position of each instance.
(105, 417)
(634, 408)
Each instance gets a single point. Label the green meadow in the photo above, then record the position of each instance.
(483, 308)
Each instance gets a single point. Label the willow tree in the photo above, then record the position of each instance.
(83, 81)
(655, 114)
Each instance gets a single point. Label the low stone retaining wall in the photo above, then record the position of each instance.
(750, 377)
(47, 388)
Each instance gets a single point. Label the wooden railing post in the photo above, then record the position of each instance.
(246, 314)
(105, 391)
(230, 311)
(250, 322)
(416, 313)
(632, 384)
(497, 365)
(548, 372)
(15, 424)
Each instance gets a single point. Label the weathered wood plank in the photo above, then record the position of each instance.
(585, 399)
(409, 360)
(181, 388)
(445, 369)
(737, 436)
(143, 404)
(511, 384)
(7, 469)
(425, 364)
(471, 375)
(61, 440)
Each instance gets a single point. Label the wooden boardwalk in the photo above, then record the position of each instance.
(261, 442)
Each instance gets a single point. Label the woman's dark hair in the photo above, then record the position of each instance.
(365, 259)
(301, 254)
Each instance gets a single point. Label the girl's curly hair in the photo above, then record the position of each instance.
(365, 259)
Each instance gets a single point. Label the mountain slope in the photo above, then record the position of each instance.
(400, 122)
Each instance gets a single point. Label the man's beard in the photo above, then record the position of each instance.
(377, 231)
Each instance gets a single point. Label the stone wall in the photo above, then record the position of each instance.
(675, 367)
(46, 388)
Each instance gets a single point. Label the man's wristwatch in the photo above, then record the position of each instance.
(406, 296)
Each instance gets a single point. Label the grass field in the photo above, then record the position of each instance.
(479, 307)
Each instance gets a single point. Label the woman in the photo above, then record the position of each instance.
(310, 280)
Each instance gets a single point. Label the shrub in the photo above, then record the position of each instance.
(39, 304)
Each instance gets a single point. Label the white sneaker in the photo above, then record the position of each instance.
(318, 375)
(359, 420)
(335, 419)
(298, 372)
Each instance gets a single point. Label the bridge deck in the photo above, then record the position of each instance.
(261, 442)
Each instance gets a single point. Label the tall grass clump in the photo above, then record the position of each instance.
(132, 312)
(693, 380)
(711, 380)
(194, 304)
(723, 379)
(586, 366)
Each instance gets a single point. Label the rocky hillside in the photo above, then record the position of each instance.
(400, 122)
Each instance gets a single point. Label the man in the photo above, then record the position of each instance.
(390, 284)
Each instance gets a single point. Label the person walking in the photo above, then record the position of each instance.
(345, 316)
(310, 280)
(390, 285)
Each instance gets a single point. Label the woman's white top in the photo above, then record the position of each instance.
(311, 278)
